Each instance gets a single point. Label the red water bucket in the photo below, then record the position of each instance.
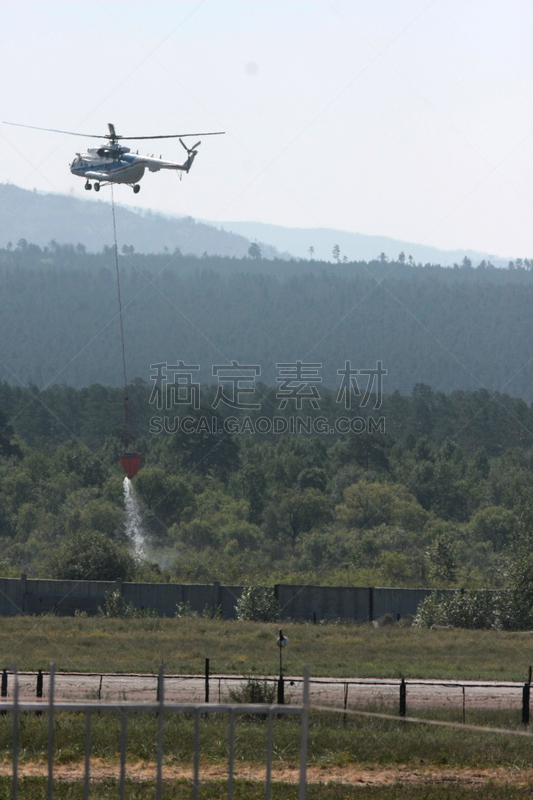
(131, 463)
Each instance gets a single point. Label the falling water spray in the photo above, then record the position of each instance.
(134, 526)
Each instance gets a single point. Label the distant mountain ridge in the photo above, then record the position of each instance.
(355, 246)
(39, 218)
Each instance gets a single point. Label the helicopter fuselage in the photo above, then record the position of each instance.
(115, 163)
(118, 165)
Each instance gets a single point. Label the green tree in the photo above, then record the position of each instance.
(254, 251)
(371, 504)
(442, 558)
(219, 521)
(78, 459)
(299, 511)
(7, 446)
(369, 450)
(166, 496)
(494, 524)
(312, 478)
(252, 484)
(206, 452)
(91, 556)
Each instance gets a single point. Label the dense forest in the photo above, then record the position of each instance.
(442, 497)
(451, 328)
(418, 487)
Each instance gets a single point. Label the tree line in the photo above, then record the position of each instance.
(441, 498)
(450, 329)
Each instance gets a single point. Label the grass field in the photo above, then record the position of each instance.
(332, 741)
(337, 650)
(342, 650)
(35, 789)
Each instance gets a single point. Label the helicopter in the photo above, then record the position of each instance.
(115, 163)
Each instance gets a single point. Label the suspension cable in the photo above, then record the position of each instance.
(128, 419)
(119, 299)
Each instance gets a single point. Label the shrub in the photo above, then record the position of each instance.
(183, 610)
(116, 606)
(507, 609)
(254, 691)
(516, 604)
(257, 604)
(470, 609)
(91, 556)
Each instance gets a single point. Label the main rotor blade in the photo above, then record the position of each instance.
(173, 135)
(54, 130)
(195, 145)
(112, 135)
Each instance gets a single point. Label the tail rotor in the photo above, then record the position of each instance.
(191, 152)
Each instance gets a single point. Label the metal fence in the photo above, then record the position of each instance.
(455, 695)
(161, 708)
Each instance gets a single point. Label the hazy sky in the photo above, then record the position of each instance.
(405, 118)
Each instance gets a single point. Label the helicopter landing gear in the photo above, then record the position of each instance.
(136, 189)
(88, 186)
(96, 187)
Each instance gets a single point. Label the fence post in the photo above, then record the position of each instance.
(303, 744)
(15, 784)
(23, 587)
(39, 689)
(231, 752)
(51, 732)
(123, 745)
(268, 777)
(525, 703)
(403, 698)
(207, 680)
(281, 685)
(346, 685)
(3, 691)
(196, 763)
(86, 777)
(529, 676)
(160, 725)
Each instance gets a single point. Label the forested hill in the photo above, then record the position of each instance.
(449, 328)
(493, 423)
(39, 218)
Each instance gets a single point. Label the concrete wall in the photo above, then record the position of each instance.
(326, 602)
(29, 596)
(346, 602)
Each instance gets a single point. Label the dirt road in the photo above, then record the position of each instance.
(358, 693)
(368, 776)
